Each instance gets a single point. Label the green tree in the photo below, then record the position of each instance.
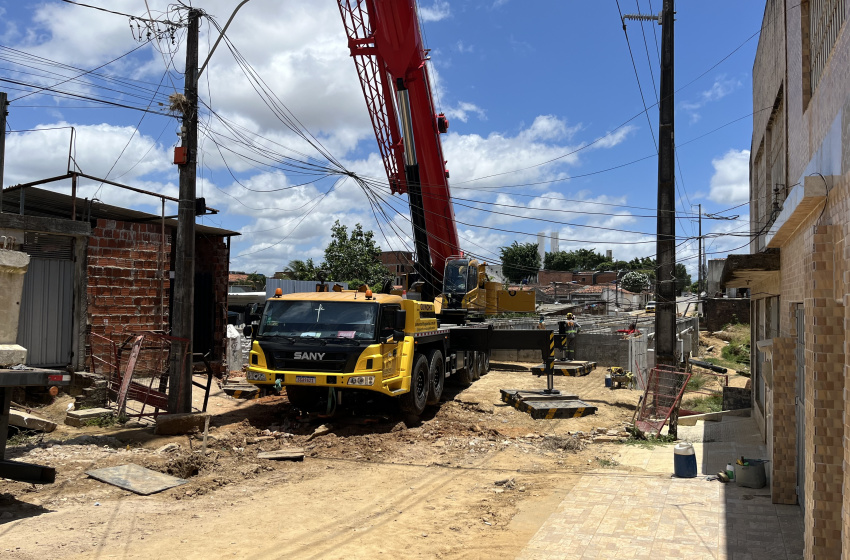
(301, 270)
(683, 279)
(355, 256)
(519, 261)
(257, 281)
(635, 281)
(580, 259)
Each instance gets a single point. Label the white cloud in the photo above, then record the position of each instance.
(96, 148)
(721, 87)
(464, 48)
(437, 11)
(730, 183)
(613, 138)
(462, 110)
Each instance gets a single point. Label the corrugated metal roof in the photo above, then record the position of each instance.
(44, 203)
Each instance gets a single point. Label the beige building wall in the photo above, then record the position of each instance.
(802, 133)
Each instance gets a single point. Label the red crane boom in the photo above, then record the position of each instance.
(386, 44)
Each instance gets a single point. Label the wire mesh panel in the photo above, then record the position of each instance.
(136, 370)
(664, 388)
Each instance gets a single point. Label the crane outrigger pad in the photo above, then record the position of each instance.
(543, 405)
(569, 368)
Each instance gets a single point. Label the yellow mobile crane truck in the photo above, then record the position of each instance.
(325, 344)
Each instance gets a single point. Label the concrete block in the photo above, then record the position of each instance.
(294, 454)
(12, 355)
(504, 356)
(178, 424)
(80, 417)
(30, 421)
(13, 267)
(527, 356)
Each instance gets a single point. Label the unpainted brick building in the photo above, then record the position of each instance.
(107, 271)
(798, 268)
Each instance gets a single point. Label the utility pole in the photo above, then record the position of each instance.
(182, 321)
(4, 103)
(699, 273)
(665, 315)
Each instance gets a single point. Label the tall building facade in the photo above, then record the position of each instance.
(798, 268)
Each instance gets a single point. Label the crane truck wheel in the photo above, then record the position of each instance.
(463, 376)
(475, 366)
(482, 363)
(413, 402)
(305, 398)
(438, 376)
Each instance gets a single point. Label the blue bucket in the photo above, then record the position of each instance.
(684, 461)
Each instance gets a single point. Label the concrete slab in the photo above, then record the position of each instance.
(294, 454)
(136, 479)
(179, 424)
(30, 421)
(12, 355)
(79, 418)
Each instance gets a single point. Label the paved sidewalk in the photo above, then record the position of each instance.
(650, 515)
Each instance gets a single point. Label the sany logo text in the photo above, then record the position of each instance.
(309, 355)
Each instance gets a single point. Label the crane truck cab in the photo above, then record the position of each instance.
(325, 344)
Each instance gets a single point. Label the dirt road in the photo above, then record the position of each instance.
(474, 479)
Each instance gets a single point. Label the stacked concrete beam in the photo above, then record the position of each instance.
(13, 267)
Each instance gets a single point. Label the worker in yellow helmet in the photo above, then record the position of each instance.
(572, 330)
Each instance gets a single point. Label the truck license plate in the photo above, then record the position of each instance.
(305, 379)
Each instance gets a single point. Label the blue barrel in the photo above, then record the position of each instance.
(684, 461)
(608, 382)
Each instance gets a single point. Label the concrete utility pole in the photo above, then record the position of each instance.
(4, 103)
(699, 259)
(665, 314)
(183, 308)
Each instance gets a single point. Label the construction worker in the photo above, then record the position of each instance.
(542, 324)
(572, 330)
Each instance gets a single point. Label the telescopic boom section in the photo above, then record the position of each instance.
(386, 45)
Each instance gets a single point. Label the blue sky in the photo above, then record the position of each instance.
(523, 83)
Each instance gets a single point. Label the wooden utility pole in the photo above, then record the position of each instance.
(183, 308)
(3, 112)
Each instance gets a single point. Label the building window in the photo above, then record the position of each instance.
(825, 20)
(775, 141)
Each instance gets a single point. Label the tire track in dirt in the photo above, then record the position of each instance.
(322, 544)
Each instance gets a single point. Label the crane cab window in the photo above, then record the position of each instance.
(472, 278)
(456, 277)
(387, 318)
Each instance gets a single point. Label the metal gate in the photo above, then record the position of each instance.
(47, 312)
(800, 404)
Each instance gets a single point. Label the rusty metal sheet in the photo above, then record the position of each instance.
(136, 479)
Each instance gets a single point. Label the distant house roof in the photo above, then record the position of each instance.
(599, 288)
(233, 278)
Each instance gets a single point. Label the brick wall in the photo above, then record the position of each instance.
(125, 291)
(719, 312)
(783, 480)
(213, 257)
(548, 276)
(815, 271)
(824, 403)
